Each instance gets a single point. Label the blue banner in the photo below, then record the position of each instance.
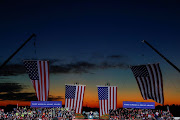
(142, 105)
(48, 104)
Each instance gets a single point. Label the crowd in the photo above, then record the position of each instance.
(68, 114)
(139, 114)
(38, 113)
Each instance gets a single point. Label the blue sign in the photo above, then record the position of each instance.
(142, 105)
(48, 104)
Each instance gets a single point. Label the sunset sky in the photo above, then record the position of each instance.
(91, 42)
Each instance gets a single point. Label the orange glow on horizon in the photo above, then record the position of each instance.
(86, 103)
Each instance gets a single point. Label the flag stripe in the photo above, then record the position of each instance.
(38, 88)
(149, 88)
(100, 108)
(141, 87)
(145, 87)
(111, 98)
(42, 68)
(65, 103)
(102, 103)
(83, 97)
(116, 97)
(153, 82)
(69, 103)
(47, 85)
(152, 85)
(44, 81)
(106, 107)
(158, 93)
(79, 89)
(158, 81)
(75, 102)
(48, 79)
(41, 81)
(161, 84)
(82, 93)
(79, 99)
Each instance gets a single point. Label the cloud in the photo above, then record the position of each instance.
(85, 66)
(13, 91)
(25, 97)
(106, 65)
(11, 87)
(12, 69)
(53, 61)
(115, 56)
(79, 67)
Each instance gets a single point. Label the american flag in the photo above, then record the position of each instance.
(39, 74)
(74, 97)
(107, 99)
(150, 82)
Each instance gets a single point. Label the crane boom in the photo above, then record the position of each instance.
(162, 56)
(7, 60)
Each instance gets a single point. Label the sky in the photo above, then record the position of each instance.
(91, 42)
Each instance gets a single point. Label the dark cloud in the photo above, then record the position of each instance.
(18, 96)
(13, 91)
(79, 67)
(115, 56)
(97, 56)
(85, 67)
(11, 87)
(56, 66)
(54, 98)
(5, 78)
(25, 97)
(16, 69)
(51, 61)
(12, 69)
(106, 65)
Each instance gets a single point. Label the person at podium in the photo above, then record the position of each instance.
(90, 115)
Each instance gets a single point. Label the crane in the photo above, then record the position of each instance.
(10, 57)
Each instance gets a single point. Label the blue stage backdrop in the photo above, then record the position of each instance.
(142, 105)
(48, 104)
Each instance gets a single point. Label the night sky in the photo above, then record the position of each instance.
(90, 42)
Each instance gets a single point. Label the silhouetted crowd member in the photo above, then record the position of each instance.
(38, 113)
(139, 114)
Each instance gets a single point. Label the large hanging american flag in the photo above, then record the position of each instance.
(39, 74)
(150, 82)
(74, 97)
(107, 99)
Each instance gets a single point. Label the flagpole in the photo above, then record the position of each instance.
(33, 35)
(162, 56)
